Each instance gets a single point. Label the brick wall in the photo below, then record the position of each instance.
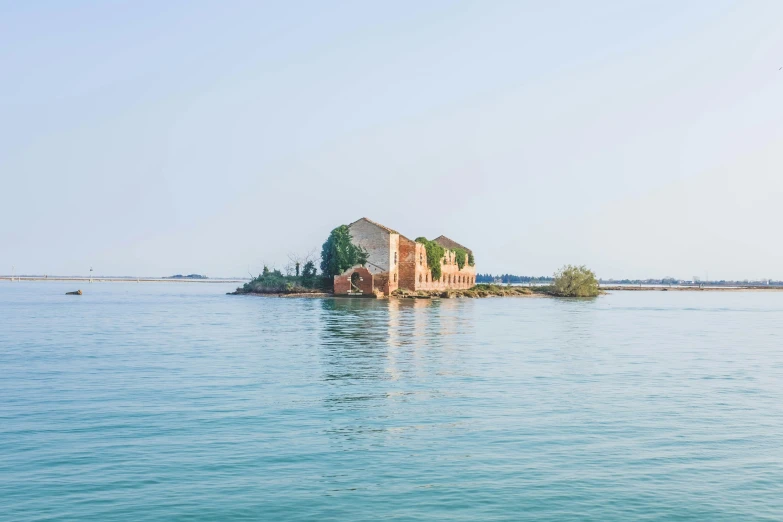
(407, 264)
(342, 282)
(381, 246)
(451, 275)
(376, 241)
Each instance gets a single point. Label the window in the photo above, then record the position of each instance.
(421, 258)
(419, 278)
(395, 277)
(395, 258)
(427, 278)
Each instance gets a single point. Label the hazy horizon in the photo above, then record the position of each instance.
(640, 140)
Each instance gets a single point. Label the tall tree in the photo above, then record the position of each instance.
(338, 253)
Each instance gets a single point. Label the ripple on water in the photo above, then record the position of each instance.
(174, 401)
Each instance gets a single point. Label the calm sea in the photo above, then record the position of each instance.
(173, 401)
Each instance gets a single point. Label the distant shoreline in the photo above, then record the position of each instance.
(119, 279)
(630, 288)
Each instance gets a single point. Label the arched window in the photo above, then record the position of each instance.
(395, 277)
(421, 258)
(395, 258)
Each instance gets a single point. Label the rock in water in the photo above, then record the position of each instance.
(78, 292)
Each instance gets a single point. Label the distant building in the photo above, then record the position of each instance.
(398, 262)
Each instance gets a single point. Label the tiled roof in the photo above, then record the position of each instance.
(449, 243)
(387, 229)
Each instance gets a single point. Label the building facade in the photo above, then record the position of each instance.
(394, 261)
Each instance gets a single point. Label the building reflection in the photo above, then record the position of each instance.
(378, 355)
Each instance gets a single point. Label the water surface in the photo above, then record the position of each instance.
(173, 401)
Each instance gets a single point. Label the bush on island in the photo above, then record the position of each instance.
(575, 281)
(275, 282)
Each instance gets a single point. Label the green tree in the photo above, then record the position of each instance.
(575, 281)
(338, 253)
(309, 275)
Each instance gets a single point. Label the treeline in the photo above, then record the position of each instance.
(510, 278)
(275, 282)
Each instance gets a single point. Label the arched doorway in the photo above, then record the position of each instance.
(356, 279)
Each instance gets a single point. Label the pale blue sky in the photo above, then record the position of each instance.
(644, 139)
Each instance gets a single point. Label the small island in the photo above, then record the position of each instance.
(190, 276)
(366, 259)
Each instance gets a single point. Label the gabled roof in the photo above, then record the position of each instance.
(450, 243)
(387, 229)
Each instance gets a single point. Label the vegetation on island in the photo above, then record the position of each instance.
(575, 281)
(461, 257)
(190, 276)
(275, 282)
(435, 254)
(338, 253)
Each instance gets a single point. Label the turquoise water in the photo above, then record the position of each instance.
(172, 401)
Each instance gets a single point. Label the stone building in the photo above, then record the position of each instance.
(394, 261)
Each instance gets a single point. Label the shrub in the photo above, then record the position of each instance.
(460, 255)
(268, 281)
(275, 282)
(575, 281)
(435, 253)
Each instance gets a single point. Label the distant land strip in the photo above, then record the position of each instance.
(692, 288)
(110, 279)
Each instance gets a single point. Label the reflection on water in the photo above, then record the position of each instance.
(177, 402)
(370, 348)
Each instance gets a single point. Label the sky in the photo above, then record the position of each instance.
(642, 139)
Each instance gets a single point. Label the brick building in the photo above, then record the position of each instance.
(394, 261)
